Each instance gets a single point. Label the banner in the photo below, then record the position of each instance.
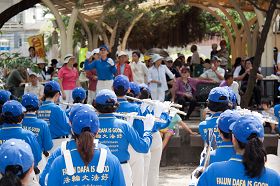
(38, 42)
(82, 56)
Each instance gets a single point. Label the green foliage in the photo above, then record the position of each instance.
(14, 60)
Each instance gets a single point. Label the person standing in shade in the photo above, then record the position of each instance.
(54, 115)
(139, 69)
(105, 68)
(68, 78)
(122, 67)
(92, 77)
(247, 167)
(157, 79)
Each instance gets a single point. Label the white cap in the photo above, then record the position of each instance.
(40, 61)
(168, 59)
(122, 53)
(95, 51)
(68, 57)
(156, 57)
(33, 73)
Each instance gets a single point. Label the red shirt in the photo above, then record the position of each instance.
(90, 74)
(127, 71)
(69, 77)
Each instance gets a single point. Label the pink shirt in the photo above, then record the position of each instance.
(68, 77)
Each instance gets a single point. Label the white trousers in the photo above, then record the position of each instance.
(278, 149)
(104, 84)
(156, 151)
(136, 163)
(68, 99)
(91, 96)
(127, 174)
(158, 94)
(147, 159)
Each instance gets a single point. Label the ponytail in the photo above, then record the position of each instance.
(13, 175)
(254, 157)
(85, 145)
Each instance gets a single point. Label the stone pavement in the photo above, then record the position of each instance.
(175, 175)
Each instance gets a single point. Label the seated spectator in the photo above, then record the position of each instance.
(244, 82)
(239, 68)
(207, 64)
(15, 80)
(216, 73)
(168, 132)
(184, 90)
(122, 67)
(268, 112)
(232, 84)
(34, 86)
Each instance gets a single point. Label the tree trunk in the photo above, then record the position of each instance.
(258, 55)
(116, 43)
(113, 35)
(127, 33)
(10, 12)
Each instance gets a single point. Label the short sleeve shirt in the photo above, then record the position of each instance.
(68, 77)
(210, 74)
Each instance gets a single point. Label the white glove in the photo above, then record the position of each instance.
(143, 107)
(130, 117)
(149, 122)
(110, 61)
(159, 108)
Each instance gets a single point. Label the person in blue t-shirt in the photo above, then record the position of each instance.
(218, 101)
(117, 134)
(38, 126)
(85, 163)
(54, 115)
(12, 115)
(16, 163)
(225, 150)
(247, 167)
(105, 68)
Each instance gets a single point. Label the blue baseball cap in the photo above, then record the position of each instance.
(226, 119)
(232, 95)
(85, 118)
(219, 94)
(52, 86)
(76, 108)
(104, 46)
(106, 97)
(144, 86)
(30, 99)
(135, 88)
(245, 126)
(79, 92)
(15, 152)
(121, 80)
(5, 95)
(14, 107)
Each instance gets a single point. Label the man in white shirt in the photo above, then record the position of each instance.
(215, 73)
(232, 84)
(139, 69)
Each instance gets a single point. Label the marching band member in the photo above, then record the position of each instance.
(38, 126)
(54, 115)
(225, 150)
(117, 134)
(247, 167)
(86, 163)
(16, 163)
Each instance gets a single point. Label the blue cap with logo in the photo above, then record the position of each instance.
(135, 88)
(226, 119)
(52, 86)
(232, 95)
(79, 92)
(13, 107)
(219, 94)
(76, 108)
(121, 80)
(30, 99)
(85, 119)
(245, 126)
(104, 46)
(4, 95)
(15, 152)
(106, 97)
